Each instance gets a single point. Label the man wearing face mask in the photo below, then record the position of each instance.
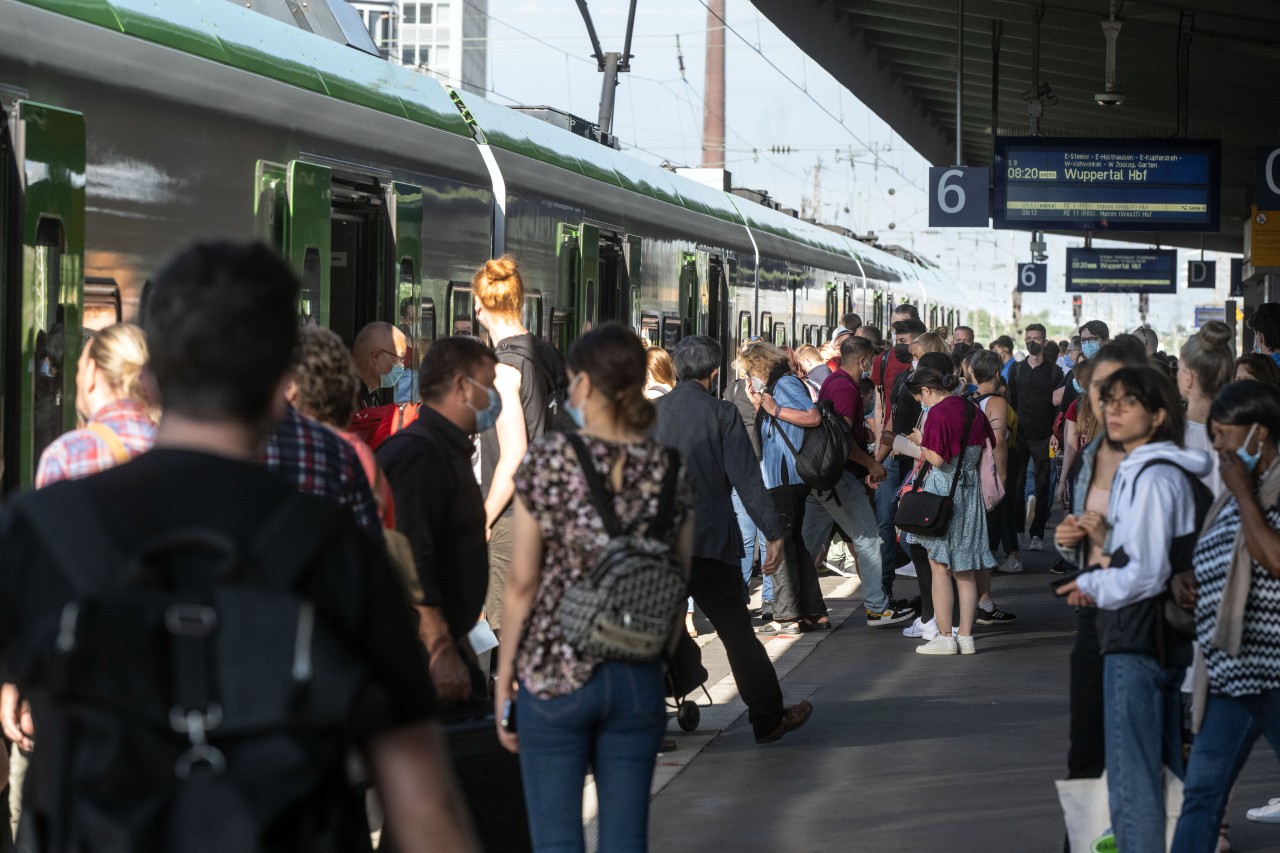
(1031, 388)
(379, 352)
(439, 506)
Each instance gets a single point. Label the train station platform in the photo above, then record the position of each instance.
(904, 752)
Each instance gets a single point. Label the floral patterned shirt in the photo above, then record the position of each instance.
(552, 487)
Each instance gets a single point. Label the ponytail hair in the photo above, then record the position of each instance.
(120, 353)
(615, 360)
(499, 287)
(1209, 357)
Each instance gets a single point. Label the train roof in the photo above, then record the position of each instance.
(231, 34)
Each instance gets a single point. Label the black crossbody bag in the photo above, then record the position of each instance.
(923, 513)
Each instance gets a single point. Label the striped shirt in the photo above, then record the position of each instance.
(82, 452)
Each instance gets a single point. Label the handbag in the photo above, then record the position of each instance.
(923, 513)
(989, 477)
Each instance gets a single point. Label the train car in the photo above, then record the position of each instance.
(131, 129)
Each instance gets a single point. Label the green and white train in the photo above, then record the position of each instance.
(131, 128)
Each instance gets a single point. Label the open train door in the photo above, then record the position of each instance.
(42, 200)
(586, 297)
(405, 206)
(293, 205)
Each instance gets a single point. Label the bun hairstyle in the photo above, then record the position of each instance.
(1209, 357)
(926, 377)
(499, 287)
(120, 352)
(615, 360)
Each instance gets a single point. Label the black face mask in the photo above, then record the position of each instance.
(902, 352)
(1034, 347)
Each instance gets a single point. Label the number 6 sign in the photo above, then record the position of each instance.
(1033, 278)
(958, 197)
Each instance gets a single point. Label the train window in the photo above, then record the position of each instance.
(101, 303)
(531, 316)
(824, 334)
(833, 303)
(561, 329)
(806, 334)
(780, 334)
(766, 327)
(650, 331)
(427, 321)
(461, 310)
(670, 331)
(309, 296)
(744, 326)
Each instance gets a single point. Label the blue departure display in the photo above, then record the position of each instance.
(1122, 271)
(1044, 183)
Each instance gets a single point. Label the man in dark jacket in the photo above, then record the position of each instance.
(718, 455)
(439, 506)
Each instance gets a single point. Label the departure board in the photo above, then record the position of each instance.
(1046, 183)
(1122, 271)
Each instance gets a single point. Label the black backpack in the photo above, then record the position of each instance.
(203, 703)
(555, 381)
(821, 457)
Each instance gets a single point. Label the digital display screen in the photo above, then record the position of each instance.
(1122, 271)
(1045, 183)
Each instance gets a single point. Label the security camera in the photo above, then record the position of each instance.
(1109, 99)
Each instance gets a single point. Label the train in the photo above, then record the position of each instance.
(130, 129)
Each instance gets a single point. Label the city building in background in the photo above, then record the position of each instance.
(448, 39)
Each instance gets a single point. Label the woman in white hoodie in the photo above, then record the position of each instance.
(1150, 525)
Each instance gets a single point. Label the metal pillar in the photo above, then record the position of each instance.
(714, 97)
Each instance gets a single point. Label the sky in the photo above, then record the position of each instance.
(871, 181)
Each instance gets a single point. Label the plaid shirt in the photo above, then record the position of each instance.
(82, 452)
(317, 461)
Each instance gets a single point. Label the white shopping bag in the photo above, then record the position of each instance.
(1087, 810)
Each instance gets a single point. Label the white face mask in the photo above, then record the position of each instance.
(915, 362)
(757, 384)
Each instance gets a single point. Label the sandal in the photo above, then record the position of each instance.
(1224, 838)
(823, 624)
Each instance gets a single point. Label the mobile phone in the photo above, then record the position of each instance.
(1058, 583)
(509, 717)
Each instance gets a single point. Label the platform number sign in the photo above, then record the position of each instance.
(1202, 274)
(958, 197)
(1267, 189)
(1033, 278)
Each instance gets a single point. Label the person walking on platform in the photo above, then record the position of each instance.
(783, 403)
(710, 436)
(1150, 523)
(950, 450)
(440, 509)
(847, 505)
(150, 555)
(1236, 595)
(529, 373)
(577, 708)
(1032, 382)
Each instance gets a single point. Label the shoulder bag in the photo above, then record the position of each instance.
(923, 513)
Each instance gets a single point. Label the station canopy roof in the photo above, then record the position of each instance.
(899, 58)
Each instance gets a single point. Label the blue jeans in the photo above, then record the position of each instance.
(1143, 728)
(613, 725)
(886, 508)
(849, 507)
(750, 544)
(1232, 724)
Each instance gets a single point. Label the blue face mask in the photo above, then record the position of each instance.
(389, 380)
(573, 411)
(1068, 361)
(1250, 460)
(1076, 385)
(970, 389)
(488, 416)
(1089, 349)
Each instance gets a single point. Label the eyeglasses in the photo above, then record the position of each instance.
(1121, 405)
(1083, 339)
(398, 359)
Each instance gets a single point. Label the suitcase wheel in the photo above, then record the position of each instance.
(688, 715)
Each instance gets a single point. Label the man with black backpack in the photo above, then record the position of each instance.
(201, 644)
(532, 384)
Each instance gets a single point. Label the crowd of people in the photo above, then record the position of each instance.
(257, 554)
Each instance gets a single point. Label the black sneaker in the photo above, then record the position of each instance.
(892, 616)
(1058, 568)
(995, 616)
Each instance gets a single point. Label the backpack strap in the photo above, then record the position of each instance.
(119, 452)
(661, 525)
(600, 497)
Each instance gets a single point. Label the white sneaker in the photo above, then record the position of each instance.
(1031, 509)
(1010, 566)
(1037, 544)
(1270, 813)
(916, 629)
(965, 644)
(928, 630)
(939, 646)
(907, 571)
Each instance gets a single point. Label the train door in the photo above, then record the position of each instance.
(689, 300)
(42, 201)
(293, 205)
(613, 300)
(632, 251)
(404, 203)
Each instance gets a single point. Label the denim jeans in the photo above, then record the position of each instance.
(1143, 725)
(750, 546)
(849, 507)
(612, 725)
(886, 508)
(1232, 724)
